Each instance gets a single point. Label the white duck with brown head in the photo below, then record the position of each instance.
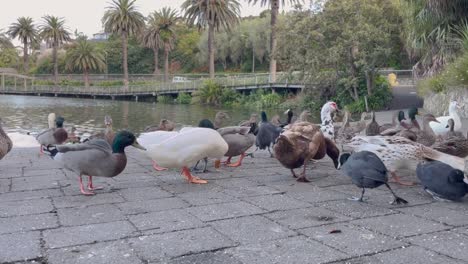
(326, 113)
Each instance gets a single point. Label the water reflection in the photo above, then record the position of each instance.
(29, 113)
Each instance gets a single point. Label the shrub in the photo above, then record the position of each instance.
(209, 93)
(165, 99)
(184, 98)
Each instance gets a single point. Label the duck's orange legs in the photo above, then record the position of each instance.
(158, 168)
(190, 178)
(239, 162)
(82, 189)
(91, 187)
(396, 179)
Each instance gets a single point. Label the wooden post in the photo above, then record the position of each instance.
(3, 81)
(15, 82)
(367, 105)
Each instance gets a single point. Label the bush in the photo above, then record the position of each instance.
(184, 98)
(381, 97)
(209, 93)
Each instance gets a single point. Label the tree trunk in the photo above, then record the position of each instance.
(211, 50)
(166, 62)
(274, 17)
(54, 59)
(370, 81)
(156, 61)
(25, 56)
(253, 60)
(86, 77)
(124, 59)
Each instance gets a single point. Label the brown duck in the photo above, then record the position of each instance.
(5, 142)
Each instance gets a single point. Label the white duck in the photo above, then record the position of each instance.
(327, 127)
(441, 128)
(184, 148)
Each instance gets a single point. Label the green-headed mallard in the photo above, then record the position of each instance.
(5, 142)
(95, 158)
(53, 136)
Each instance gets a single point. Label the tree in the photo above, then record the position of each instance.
(54, 32)
(85, 57)
(25, 30)
(5, 42)
(167, 21)
(152, 39)
(214, 14)
(123, 18)
(434, 32)
(274, 5)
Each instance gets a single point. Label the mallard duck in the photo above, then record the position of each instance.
(184, 148)
(299, 144)
(239, 140)
(289, 120)
(304, 116)
(440, 128)
(452, 132)
(426, 136)
(413, 122)
(366, 171)
(164, 125)
(275, 120)
(5, 142)
(218, 121)
(442, 181)
(373, 128)
(108, 133)
(53, 136)
(72, 136)
(348, 130)
(397, 118)
(248, 123)
(398, 152)
(267, 134)
(95, 158)
(453, 145)
(326, 116)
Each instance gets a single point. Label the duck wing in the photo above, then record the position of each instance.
(243, 130)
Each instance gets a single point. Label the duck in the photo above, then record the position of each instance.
(348, 130)
(5, 142)
(456, 145)
(326, 116)
(73, 137)
(373, 128)
(442, 181)
(95, 158)
(289, 120)
(51, 120)
(440, 128)
(108, 134)
(302, 142)
(53, 136)
(275, 120)
(366, 170)
(164, 125)
(426, 135)
(452, 132)
(267, 134)
(239, 140)
(181, 150)
(248, 123)
(218, 121)
(399, 152)
(413, 123)
(304, 116)
(397, 118)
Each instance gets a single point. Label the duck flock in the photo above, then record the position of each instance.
(368, 152)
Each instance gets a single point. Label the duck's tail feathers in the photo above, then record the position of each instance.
(455, 162)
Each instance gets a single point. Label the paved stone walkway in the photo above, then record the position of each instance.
(254, 214)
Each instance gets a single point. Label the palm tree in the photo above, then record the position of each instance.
(85, 57)
(123, 18)
(5, 42)
(166, 23)
(25, 30)
(212, 14)
(150, 38)
(435, 31)
(54, 32)
(275, 5)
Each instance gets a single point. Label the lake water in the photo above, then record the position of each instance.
(29, 113)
